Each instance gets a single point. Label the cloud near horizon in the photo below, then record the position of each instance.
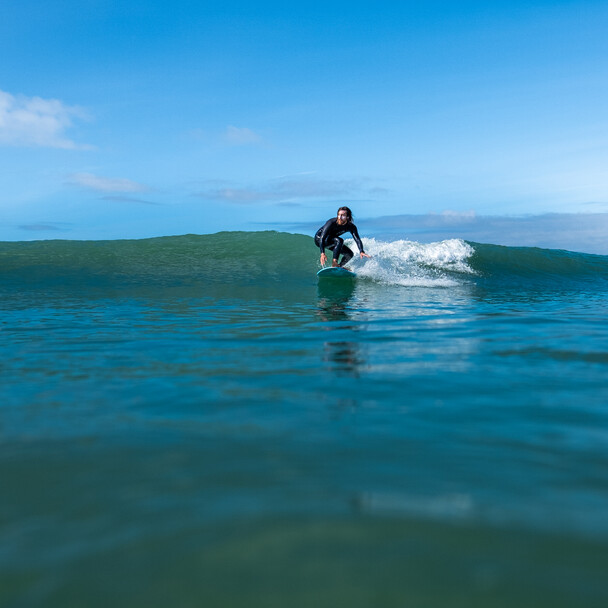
(583, 232)
(37, 122)
(105, 184)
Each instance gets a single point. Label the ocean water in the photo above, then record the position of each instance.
(195, 421)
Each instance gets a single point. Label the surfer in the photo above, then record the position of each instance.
(328, 237)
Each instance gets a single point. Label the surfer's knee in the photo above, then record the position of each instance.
(347, 254)
(338, 242)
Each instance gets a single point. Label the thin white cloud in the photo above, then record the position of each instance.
(288, 190)
(37, 122)
(237, 195)
(241, 136)
(105, 184)
(44, 227)
(129, 199)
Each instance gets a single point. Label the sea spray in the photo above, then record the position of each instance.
(408, 263)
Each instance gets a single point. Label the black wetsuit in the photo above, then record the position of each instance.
(328, 237)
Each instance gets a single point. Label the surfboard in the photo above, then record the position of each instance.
(335, 273)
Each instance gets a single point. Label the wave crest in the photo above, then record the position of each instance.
(410, 263)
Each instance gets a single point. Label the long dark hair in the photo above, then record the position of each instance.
(348, 211)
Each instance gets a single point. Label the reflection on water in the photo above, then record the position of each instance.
(334, 299)
(344, 357)
(334, 305)
(392, 330)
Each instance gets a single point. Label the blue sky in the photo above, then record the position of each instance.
(149, 118)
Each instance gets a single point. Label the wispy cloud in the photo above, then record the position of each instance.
(44, 227)
(285, 190)
(37, 122)
(237, 195)
(129, 199)
(241, 136)
(105, 184)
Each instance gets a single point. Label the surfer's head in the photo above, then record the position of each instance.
(344, 215)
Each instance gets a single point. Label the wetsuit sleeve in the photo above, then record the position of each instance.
(355, 233)
(323, 234)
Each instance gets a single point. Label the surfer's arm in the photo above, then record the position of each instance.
(355, 234)
(321, 239)
(323, 234)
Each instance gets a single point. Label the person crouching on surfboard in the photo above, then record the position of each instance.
(328, 237)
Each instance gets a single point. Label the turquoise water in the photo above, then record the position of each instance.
(194, 421)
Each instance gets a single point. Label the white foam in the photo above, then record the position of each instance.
(410, 263)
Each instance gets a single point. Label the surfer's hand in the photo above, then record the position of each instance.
(323, 259)
(364, 255)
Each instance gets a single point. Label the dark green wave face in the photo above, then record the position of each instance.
(220, 258)
(271, 258)
(198, 421)
(538, 264)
